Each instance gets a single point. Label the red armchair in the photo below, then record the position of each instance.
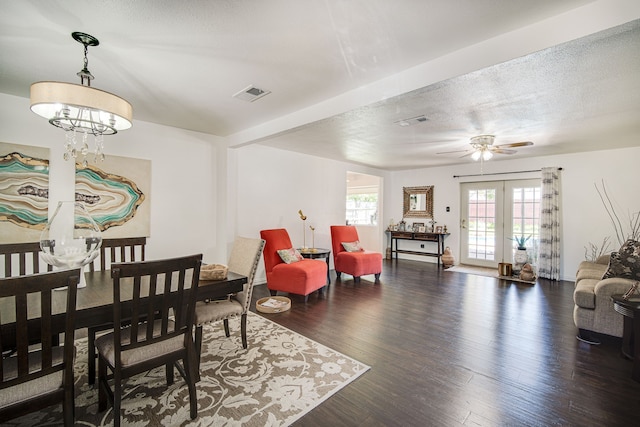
(301, 277)
(357, 263)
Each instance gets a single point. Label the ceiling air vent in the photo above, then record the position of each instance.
(251, 93)
(411, 121)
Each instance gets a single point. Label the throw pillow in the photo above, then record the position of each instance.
(352, 246)
(625, 263)
(290, 255)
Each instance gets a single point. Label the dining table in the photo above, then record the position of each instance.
(94, 305)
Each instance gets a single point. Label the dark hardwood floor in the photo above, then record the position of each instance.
(449, 349)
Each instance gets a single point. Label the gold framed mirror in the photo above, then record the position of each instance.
(418, 202)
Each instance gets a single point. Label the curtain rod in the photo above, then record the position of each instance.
(498, 173)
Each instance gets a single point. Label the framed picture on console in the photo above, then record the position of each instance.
(416, 226)
(438, 229)
(422, 229)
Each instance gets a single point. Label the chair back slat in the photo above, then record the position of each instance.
(45, 326)
(155, 290)
(119, 250)
(21, 259)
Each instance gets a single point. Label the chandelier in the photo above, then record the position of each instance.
(81, 110)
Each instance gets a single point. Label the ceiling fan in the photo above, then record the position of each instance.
(482, 148)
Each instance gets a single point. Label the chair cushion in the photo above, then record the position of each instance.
(352, 246)
(34, 388)
(290, 255)
(359, 263)
(105, 347)
(217, 310)
(301, 278)
(625, 263)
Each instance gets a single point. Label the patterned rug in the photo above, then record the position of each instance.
(280, 377)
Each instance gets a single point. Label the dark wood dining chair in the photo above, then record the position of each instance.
(244, 259)
(35, 378)
(21, 259)
(125, 249)
(165, 292)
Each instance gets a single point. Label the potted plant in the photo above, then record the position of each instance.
(521, 241)
(521, 257)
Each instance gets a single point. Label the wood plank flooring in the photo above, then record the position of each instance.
(453, 349)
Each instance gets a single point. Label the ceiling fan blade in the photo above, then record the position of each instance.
(468, 154)
(515, 144)
(453, 152)
(503, 151)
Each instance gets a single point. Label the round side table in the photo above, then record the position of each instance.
(630, 309)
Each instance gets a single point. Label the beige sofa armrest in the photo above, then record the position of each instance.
(603, 259)
(612, 286)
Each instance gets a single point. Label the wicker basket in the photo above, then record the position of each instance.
(286, 305)
(213, 272)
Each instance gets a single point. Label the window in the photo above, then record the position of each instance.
(362, 208)
(362, 203)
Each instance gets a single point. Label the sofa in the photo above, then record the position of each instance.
(593, 310)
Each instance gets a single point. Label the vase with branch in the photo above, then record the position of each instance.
(623, 230)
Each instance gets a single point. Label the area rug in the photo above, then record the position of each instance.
(487, 272)
(281, 376)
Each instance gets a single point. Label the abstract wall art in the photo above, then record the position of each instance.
(116, 194)
(24, 192)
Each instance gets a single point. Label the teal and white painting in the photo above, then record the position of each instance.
(116, 194)
(24, 192)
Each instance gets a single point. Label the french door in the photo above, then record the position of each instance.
(492, 214)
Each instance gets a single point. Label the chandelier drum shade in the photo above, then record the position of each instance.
(79, 108)
(82, 108)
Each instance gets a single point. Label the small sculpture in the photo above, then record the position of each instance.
(527, 273)
(303, 217)
(447, 258)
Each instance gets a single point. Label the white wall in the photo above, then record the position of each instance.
(584, 218)
(184, 182)
(272, 185)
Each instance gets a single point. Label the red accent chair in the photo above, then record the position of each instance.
(301, 277)
(354, 263)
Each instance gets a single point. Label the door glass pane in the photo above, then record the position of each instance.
(526, 218)
(482, 224)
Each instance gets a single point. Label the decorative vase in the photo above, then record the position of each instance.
(527, 273)
(447, 258)
(520, 258)
(71, 238)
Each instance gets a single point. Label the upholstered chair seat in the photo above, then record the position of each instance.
(356, 261)
(301, 277)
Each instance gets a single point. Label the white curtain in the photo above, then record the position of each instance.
(549, 248)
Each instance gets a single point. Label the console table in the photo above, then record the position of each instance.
(437, 238)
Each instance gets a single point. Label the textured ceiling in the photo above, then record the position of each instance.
(341, 72)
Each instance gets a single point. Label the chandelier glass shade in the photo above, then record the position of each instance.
(81, 110)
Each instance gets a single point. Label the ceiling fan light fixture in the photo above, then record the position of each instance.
(487, 155)
(483, 139)
(476, 155)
